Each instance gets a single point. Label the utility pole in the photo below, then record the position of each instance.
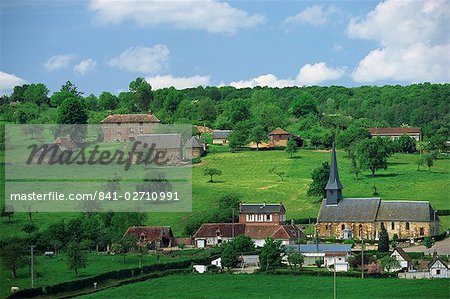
(232, 225)
(334, 278)
(32, 265)
(362, 257)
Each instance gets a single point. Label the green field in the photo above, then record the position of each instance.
(54, 270)
(267, 286)
(247, 174)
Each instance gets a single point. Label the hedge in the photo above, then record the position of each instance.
(331, 273)
(69, 286)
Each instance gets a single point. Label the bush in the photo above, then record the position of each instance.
(349, 242)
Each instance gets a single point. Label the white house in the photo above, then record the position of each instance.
(200, 268)
(329, 254)
(402, 257)
(438, 268)
(217, 262)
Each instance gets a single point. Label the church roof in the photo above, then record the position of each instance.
(350, 210)
(405, 211)
(333, 181)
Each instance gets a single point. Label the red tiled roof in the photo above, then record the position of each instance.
(335, 254)
(131, 118)
(203, 129)
(261, 231)
(224, 229)
(150, 233)
(278, 131)
(66, 142)
(394, 131)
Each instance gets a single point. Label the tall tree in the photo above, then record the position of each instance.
(270, 257)
(13, 256)
(107, 101)
(142, 93)
(211, 172)
(383, 242)
(76, 257)
(319, 180)
(372, 154)
(72, 112)
(258, 135)
(303, 105)
(229, 256)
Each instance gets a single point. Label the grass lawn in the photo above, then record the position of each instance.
(247, 174)
(267, 286)
(54, 270)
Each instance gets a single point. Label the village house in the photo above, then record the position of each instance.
(328, 254)
(153, 237)
(396, 133)
(438, 268)
(220, 136)
(403, 258)
(257, 221)
(66, 143)
(348, 218)
(279, 138)
(167, 145)
(194, 148)
(125, 127)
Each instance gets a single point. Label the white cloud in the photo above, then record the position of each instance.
(315, 15)
(85, 66)
(142, 59)
(158, 82)
(309, 74)
(8, 81)
(57, 62)
(210, 15)
(413, 41)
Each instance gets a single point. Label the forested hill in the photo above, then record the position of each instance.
(300, 109)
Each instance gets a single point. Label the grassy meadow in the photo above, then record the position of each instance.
(246, 173)
(54, 270)
(268, 286)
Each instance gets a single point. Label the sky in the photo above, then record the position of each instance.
(102, 45)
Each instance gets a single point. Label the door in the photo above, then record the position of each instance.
(201, 243)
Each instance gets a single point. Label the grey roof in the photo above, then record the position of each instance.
(405, 211)
(350, 210)
(313, 248)
(220, 134)
(261, 208)
(161, 141)
(195, 142)
(333, 181)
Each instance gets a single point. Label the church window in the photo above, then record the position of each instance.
(392, 225)
(343, 226)
(407, 225)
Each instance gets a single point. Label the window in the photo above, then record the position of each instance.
(407, 225)
(343, 226)
(392, 225)
(247, 217)
(438, 272)
(269, 217)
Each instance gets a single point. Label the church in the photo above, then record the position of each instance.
(347, 218)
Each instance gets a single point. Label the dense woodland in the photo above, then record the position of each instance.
(316, 113)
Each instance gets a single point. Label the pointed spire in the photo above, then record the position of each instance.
(334, 186)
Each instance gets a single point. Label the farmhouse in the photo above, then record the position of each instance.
(220, 136)
(66, 143)
(403, 258)
(257, 221)
(194, 148)
(347, 218)
(395, 133)
(168, 145)
(279, 137)
(152, 237)
(125, 127)
(438, 268)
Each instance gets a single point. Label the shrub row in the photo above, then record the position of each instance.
(331, 273)
(69, 286)
(443, 212)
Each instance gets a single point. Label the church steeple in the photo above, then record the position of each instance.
(334, 186)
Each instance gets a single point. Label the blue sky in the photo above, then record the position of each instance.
(102, 45)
